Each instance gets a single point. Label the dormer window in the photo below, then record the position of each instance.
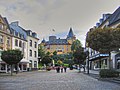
(16, 33)
(1, 26)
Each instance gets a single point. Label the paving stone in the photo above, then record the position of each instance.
(72, 80)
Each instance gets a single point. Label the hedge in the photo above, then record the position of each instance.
(108, 73)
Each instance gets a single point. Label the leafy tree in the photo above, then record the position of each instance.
(41, 52)
(79, 56)
(55, 53)
(12, 57)
(104, 40)
(75, 45)
(46, 60)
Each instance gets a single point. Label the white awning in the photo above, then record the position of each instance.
(118, 61)
(24, 61)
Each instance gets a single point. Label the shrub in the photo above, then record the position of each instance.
(107, 73)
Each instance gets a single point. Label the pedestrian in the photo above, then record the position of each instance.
(57, 69)
(65, 68)
(61, 69)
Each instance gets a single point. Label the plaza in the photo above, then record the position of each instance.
(50, 80)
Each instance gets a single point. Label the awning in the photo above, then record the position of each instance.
(118, 61)
(24, 61)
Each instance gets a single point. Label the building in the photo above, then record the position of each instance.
(97, 59)
(5, 40)
(62, 46)
(32, 49)
(19, 41)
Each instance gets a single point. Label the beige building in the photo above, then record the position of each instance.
(62, 46)
(5, 40)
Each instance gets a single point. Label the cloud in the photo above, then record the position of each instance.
(42, 16)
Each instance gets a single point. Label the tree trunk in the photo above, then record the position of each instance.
(109, 60)
(11, 69)
(79, 68)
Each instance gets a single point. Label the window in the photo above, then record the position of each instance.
(35, 45)
(31, 43)
(8, 40)
(16, 42)
(35, 64)
(1, 26)
(16, 33)
(30, 52)
(35, 54)
(1, 39)
(20, 43)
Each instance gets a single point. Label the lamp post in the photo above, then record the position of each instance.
(39, 60)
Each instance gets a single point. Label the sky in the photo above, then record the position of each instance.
(42, 16)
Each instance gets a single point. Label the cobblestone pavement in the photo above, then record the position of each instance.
(37, 80)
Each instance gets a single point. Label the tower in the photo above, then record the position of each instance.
(71, 37)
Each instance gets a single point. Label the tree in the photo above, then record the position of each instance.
(41, 52)
(75, 45)
(79, 56)
(104, 40)
(12, 57)
(46, 60)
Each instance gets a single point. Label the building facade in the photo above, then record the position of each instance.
(32, 49)
(19, 41)
(5, 41)
(97, 59)
(13, 36)
(61, 46)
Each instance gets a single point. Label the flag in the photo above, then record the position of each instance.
(53, 30)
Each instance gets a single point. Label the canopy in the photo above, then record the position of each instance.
(24, 61)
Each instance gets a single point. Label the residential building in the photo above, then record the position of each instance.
(32, 49)
(62, 46)
(5, 41)
(97, 59)
(19, 41)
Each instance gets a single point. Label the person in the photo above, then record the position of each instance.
(61, 69)
(65, 68)
(58, 69)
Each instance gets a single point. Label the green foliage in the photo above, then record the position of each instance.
(108, 73)
(75, 45)
(79, 56)
(46, 60)
(41, 52)
(103, 40)
(12, 56)
(55, 53)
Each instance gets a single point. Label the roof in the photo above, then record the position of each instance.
(115, 16)
(70, 34)
(57, 42)
(14, 26)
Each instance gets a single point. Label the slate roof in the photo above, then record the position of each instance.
(57, 42)
(115, 16)
(18, 29)
(70, 34)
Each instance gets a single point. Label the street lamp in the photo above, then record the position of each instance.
(39, 60)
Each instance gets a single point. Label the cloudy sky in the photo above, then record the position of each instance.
(42, 16)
